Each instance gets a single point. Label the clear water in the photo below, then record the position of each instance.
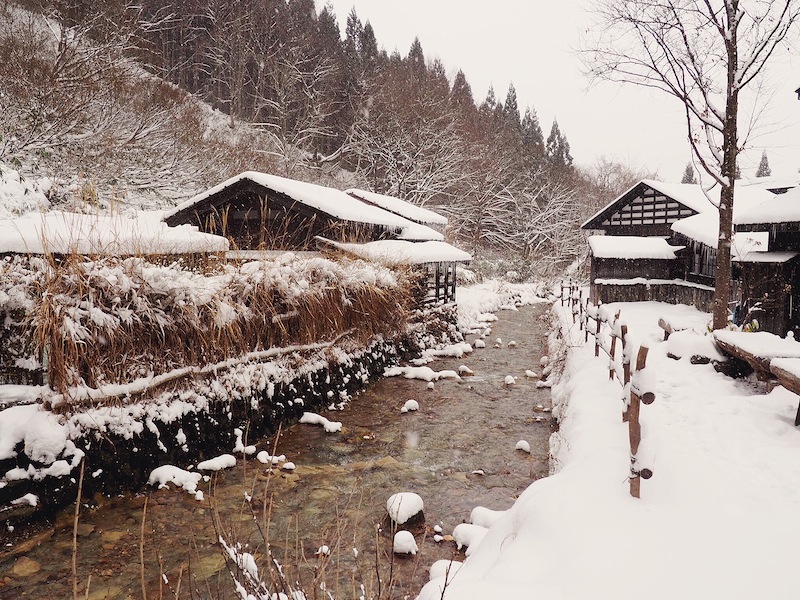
(456, 452)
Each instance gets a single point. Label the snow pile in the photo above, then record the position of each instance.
(315, 419)
(165, 474)
(423, 373)
(43, 438)
(109, 234)
(410, 405)
(701, 526)
(20, 195)
(404, 505)
(224, 461)
(404, 543)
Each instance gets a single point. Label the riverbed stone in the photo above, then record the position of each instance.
(25, 567)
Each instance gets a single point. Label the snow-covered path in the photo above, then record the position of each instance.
(719, 519)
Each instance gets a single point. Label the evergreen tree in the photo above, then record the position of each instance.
(510, 108)
(369, 45)
(688, 174)
(532, 137)
(763, 167)
(557, 148)
(416, 60)
(353, 33)
(461, 94)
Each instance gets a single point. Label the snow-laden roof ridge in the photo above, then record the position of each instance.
(141, 232)
(398, 252)
(631, 247)
(782, 208)
(325, 199)
(398, 206)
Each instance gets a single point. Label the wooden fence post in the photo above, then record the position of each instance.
(635, 428)
(596, 334)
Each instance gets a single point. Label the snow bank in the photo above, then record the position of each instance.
(701, 527)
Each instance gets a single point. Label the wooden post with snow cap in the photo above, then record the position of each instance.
(639, 394)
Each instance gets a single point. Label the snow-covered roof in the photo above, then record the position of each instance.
(138, 233)
(782, 208)
(777, 182)
(704, 228)
(767, 257)
(328, 200)
(694, 197)
(400, 207)
(631, 247)
(401, 252)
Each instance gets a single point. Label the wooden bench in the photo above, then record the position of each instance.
(773, 358)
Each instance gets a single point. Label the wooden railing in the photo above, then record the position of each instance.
(611, 336)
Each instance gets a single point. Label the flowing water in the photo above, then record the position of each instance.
(457, 452)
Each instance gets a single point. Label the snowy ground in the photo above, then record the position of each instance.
(719, 519)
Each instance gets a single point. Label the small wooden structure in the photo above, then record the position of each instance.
(259, 211)
(435, 261)
(771, 279)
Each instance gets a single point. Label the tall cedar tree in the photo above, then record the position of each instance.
(763, 167)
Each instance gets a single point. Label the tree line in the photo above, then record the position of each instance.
(327, 101)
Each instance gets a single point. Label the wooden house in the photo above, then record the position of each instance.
(258, 211)
(770, 279)
(643, 216)
(686, 217)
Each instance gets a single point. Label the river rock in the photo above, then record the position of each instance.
(25, 567)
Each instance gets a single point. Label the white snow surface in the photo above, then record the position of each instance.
(404, 252)
(631, 247)
(410, 211)
(404, 543)
(720, 518)
(761, 343)
(782, 208)
(224, 461)
(311, 418)
(404, 505)
(165, 474)
(328, 200)
(139, 232)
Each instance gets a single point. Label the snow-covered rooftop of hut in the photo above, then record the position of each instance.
(766, 257)
(410, 211)
(704, 228)
(782, 208)
(138, 233)
(631, 247)
(401, 252)
(328, 200)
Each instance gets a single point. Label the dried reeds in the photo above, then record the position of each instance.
(114, 320)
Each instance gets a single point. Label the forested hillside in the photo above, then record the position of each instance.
(113, 97)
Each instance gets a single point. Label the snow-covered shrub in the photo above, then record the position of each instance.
(117, 320)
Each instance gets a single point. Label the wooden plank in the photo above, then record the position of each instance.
(759, 363)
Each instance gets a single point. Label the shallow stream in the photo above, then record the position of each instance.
(457, 452)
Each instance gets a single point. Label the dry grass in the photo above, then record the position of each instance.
(115, 320)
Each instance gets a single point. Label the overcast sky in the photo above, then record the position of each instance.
(532, 44)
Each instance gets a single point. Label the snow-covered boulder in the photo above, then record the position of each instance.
(404, 543)
(404, 505)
